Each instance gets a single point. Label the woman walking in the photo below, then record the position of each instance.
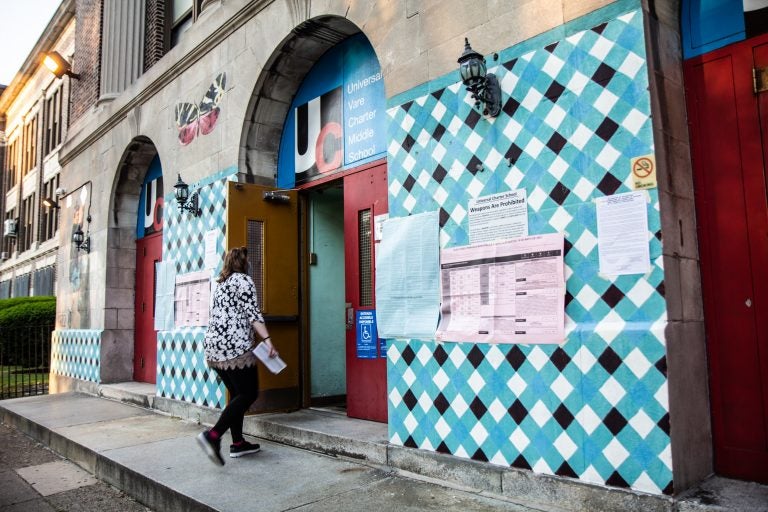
(228, 348)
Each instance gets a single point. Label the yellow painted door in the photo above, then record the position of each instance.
(265, 221)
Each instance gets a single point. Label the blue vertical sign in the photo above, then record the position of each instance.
(364, 103)
(367, 336)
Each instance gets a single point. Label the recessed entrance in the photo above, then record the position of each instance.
(347, 361)
(325, 272)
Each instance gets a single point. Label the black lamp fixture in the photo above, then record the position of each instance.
(48, 202)
(82, 241)
(183, 198)
(58, 65)
(484, 86)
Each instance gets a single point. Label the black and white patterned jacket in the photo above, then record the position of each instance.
(234, 310)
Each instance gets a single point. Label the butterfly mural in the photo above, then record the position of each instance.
(192, 118)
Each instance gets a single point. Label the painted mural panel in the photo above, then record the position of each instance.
(575, 111)
(193, 119)
(337, 119)
(73, 292)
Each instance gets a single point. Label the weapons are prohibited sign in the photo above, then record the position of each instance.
(644, 172)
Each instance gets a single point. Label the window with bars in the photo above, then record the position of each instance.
(5, 289)
(21, 285)
(54, 121)
(365, 243)
(43, 281)
(29, 146)
(49, 217)
(26, 233)
(255, 246)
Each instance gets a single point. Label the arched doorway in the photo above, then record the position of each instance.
(135, 244)
(329, 142)
(726, 44)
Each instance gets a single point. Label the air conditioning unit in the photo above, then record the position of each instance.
(9, 227)
(4, 255)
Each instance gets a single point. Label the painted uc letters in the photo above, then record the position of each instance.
(319, 135)
(151, 202)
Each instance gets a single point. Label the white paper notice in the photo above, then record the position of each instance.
(166, 283)
(212, 257)
(192, 299)
(408, 277)
(273, 364)
(498, 217)
(378, 226)
(510, 292)
(622, 234)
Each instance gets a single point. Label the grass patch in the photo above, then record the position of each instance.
(16, 381)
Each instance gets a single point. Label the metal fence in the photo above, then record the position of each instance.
(25, 355)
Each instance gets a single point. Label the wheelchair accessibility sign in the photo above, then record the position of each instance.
(367, 337)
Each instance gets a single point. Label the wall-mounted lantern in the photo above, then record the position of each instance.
(82, 241)
(185, 202)
(58, 65)
(483, 86)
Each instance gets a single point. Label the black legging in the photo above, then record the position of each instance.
(243, 387)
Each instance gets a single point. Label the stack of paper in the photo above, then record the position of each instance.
(273, 364)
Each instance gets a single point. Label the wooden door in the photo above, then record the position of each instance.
(365, 197)
(265, 220)
(149, 251)
(728, 152)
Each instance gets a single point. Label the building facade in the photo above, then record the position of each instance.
(297, 129)
(35, 110)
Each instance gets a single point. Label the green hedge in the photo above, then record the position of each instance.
(25, 330)
(22, 312)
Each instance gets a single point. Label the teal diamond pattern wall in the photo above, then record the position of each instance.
(76, 353)
(181, 370)
(595, 408)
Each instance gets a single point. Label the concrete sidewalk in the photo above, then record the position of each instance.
(155, 459)
(310, 460)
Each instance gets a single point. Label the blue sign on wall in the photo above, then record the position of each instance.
(150, 218)
(337, 119)
(367, 335)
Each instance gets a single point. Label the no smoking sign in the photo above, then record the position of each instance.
(643, 172)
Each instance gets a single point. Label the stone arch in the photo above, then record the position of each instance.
(281, 77)
(118, 337)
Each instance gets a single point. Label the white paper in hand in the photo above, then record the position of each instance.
(273, 364)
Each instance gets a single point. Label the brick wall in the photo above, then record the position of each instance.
(155, 35)
(87, 61)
